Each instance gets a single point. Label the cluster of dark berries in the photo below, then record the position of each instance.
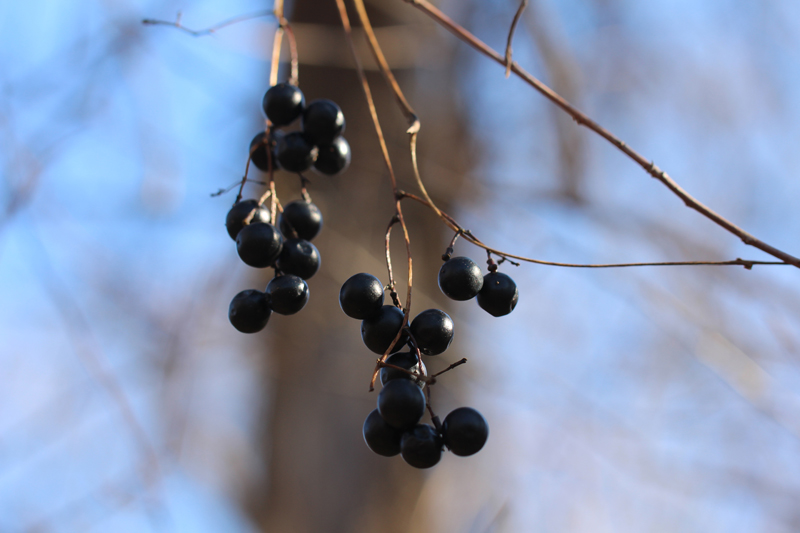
(394, 426)
(319, 144)
(460, 278)
(289, 251)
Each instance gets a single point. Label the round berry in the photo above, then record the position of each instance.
(361, 296)
(234, 221)
(288, 294)
(249, 311)
(298, 257)
(259, 244)
(260, 147)
(295, 153)
(460, 278)
(407, 360)
(334, 158)
(381, 438)
(323, 121)
(401, 403)
(421, 446)
(465, 431)
(283, 103)
(379, 331)
(499, 294)
(301, 218)
(433, 331)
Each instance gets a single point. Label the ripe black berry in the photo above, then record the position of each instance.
(298, 257)
(333, 158)
(499, 294)
(361, 296)
(381, 438)
(234, 221)
(379, 331)
(302, 217)
(407, 360)
(259, 244)
(421, 446)
(460, 278)
(249, 311)
(465, 431)
(288, 294)
(295, 153)
(260, 147)
(433, 331)
(283, 103)
(323, 121)
(401, 403)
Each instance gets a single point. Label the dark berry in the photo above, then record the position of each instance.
(249, 311)
(302, 217)
(421, 446)
(381, 438)
(234, 222)
(295, 153)
(260, 147)
(401, 403)
(379, 331)
(465, 431)
(499, 294)
(333, 158)
(288, 294)
(407, 360)
(259, 244)
(323, 121)
(298, 257)
(283, 103)
(361, 296)
(460, 278)
(433, 331)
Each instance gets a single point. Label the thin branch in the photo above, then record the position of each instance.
(467, 235)
(405, 107)
(211, 29)
(511, 31)
(387, 161)
(583, 120)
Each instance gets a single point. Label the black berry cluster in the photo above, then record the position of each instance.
(285, 244)
(394, 427)
(319, 144)
(262, 245)
(460, 278)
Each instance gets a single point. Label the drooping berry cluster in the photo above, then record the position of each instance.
(394, 427)
(319, 144)
(289, 251)
(288, 247)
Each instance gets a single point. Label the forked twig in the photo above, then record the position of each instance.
(584, 120)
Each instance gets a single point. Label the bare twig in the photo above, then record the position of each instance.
(511, 31)
(468, 235)
(583, 120)
(387, 161)
(211, 29)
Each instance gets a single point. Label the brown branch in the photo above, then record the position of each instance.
(746, 263)
(387, 161)
(511, 31)
(584, 120)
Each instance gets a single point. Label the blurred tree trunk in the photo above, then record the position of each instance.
(318, 475)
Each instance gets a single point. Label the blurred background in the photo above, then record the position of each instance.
(650, 399)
